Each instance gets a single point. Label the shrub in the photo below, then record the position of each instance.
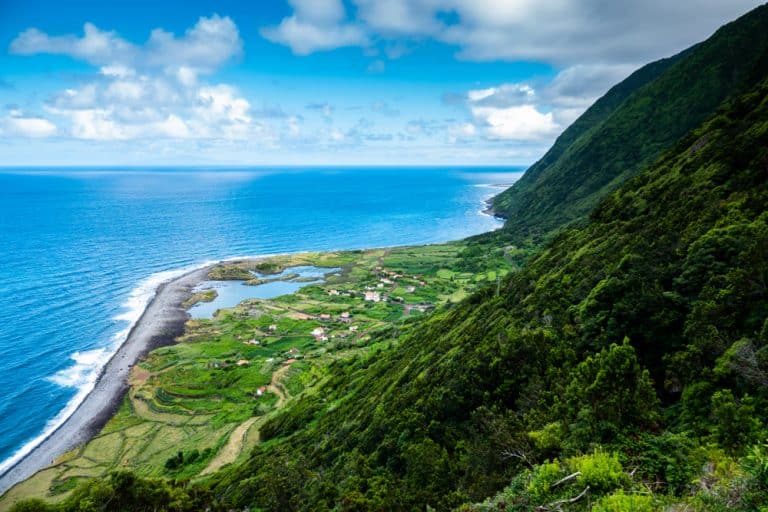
(620, 502)
(600, 471)
(32, 505)
(757, 464)
(542, 479)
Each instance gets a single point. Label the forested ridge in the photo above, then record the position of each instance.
(629, 127)
(623, 367)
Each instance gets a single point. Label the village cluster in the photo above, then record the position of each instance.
(340, 325)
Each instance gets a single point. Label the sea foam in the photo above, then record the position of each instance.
(88, 365)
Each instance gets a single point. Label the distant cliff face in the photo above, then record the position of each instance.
(628, 128)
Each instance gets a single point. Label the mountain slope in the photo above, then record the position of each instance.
(676, 262)
(632, 125)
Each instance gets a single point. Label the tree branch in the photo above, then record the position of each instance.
(569, 477)
(557, 504)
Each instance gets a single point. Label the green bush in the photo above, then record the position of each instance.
(620, 502)
(542, 479)
(601, 471)
(756, 463)
(32, 505)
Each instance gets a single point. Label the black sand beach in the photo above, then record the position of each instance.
(162, 321)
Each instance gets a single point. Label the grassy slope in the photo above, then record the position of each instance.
(676, 260)
(632, 125)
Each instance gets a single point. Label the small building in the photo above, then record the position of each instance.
(318, 331)
(411, 289)
(386, 281)
(243, 362)
(333, 293)
(325, 317)
(252, 342)
(353, 328)
(373, 296)
(261, 390)
(273, 327)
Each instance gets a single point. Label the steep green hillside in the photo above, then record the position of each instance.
(643, 333)
(632, 125)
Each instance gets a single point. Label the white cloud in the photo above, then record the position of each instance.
(152, 90)
(560, 32)
(18, 124)
(95, 46)
(400, 17)
(529, 112)
(502, 94)
(205, 47)
(316, 25)
(523, 123)
(585, 31)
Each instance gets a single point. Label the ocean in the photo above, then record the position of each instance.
(82, 251)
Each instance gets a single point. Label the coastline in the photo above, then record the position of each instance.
(160, 323)
(488, 201)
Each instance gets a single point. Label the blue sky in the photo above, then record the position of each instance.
(319, 81)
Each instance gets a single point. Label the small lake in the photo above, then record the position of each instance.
(232, 293)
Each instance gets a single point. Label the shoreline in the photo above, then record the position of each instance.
(160, 323)
(488, 201)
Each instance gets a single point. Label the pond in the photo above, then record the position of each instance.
(232, 293)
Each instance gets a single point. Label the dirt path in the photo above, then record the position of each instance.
(277, 388)
(234, 445)
(232, 449)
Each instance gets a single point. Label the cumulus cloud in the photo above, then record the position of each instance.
(584, 31)
(154, 90)
(202, 49)
(18, 124)
(316, 25)
(522, 123)
(531, 112)
(560, 32)
(400, 17)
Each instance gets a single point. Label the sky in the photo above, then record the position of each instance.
(320, 82)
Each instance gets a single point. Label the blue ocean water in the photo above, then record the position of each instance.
(81, 252)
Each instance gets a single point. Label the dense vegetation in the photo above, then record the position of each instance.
(622, 367)
(642, 334)
(627, 129)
